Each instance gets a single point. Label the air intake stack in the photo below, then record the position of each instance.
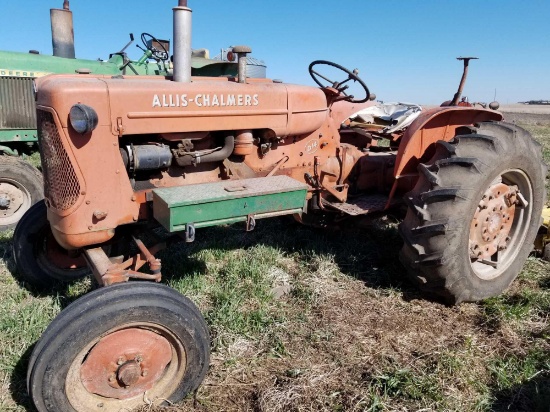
(182, 42)
(62, 31)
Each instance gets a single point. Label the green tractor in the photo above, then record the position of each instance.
(21, 183)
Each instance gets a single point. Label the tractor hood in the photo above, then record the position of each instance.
(132, 105)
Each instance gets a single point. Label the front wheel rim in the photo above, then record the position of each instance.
(163, 384)
(500, 224)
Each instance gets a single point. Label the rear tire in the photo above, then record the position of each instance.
(70, 367)
(39, 259)
(466, 234)
(21, 186)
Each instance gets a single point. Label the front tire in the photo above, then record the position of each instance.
(120, 347)
(474, 213)
(39, 259)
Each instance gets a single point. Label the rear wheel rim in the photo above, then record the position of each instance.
(494, 245)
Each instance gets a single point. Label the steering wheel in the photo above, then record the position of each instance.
(157, 54)
(340, 87)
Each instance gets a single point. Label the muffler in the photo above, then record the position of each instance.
(182, 42)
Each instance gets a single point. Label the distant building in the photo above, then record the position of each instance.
(543, 102)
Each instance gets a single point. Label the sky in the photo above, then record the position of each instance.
(405, 50)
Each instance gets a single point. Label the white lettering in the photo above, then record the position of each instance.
(204, 100)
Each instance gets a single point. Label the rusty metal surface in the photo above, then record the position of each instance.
(492, 221)
(153, 105)
(458, 94)
(108, 271)
(95, 192)
(241, 52)
(154, 263)
(60, 257)
(126, 363)
(433, 125)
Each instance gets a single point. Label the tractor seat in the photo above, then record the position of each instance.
(385, 118)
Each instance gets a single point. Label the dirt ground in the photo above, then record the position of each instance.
(527, 114)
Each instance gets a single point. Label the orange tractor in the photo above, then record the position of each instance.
(122, 156)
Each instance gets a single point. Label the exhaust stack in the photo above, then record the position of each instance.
(62, 31)
(182, 42)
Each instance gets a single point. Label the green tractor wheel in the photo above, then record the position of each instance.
(21, 187)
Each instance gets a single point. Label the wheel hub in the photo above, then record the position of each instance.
(492, 222)
(11, 199)
(128, 374)
(126, 363)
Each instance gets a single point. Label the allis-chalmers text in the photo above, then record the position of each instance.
(205, 100)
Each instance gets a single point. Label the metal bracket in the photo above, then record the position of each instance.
(340, 195)
(190, 233)
(119, 126)
(250, 223)
(521, 202)
(110, 271)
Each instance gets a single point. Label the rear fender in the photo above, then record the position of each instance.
(432, 125)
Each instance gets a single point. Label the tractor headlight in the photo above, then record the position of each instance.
(83, 118)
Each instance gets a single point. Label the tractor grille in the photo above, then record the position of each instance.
(17, 110)
(61, 185)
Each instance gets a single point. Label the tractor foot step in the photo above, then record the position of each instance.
(360, 205)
